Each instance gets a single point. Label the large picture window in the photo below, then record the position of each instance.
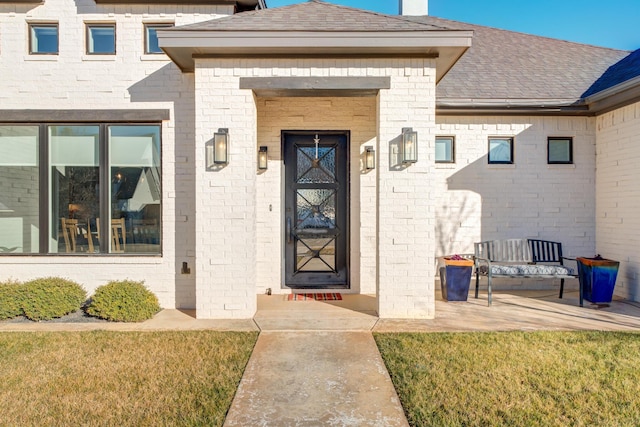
(134, 159)
(99, 192)
(19, 190)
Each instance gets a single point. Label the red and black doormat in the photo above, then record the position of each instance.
(315, 297)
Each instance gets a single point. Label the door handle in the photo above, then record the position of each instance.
(288, 229)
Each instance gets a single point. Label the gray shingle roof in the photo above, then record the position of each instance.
(501, 65)
(313, 15)
(506, 65)
(627, 69)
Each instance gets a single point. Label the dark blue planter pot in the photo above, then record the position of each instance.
(597, 279)
(454, 282)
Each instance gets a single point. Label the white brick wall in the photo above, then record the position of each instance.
(618, 195)
(530, 199)
(405, 194)
(130, 79)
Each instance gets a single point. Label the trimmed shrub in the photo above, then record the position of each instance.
(123, 301)
(50, 297)
(11, 294)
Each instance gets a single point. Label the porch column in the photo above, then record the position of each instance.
(226, 201)
(406, 216)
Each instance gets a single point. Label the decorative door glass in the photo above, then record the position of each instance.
(316, 204)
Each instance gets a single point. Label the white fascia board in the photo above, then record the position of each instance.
(290, 39)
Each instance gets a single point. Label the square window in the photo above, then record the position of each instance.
(501, 150)
(151, 37)
(43, 39)
(445, 149)
(101, 39)
(560, 151)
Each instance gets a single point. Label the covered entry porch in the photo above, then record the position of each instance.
(301, 73)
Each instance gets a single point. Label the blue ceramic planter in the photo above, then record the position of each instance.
(597, 279)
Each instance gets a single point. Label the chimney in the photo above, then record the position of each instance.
(414, 7)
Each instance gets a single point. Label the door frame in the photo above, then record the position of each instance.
(347, 206)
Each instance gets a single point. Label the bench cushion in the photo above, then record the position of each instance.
(527, 270)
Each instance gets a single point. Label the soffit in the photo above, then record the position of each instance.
(274, 87)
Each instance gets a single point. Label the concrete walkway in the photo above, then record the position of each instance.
(316, 378)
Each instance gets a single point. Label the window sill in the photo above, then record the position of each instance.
(98, 57)
(41, 57)
(446, 166)
(561, 166)
(107, 259)
(501, 166)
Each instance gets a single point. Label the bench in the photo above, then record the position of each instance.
(520, 258)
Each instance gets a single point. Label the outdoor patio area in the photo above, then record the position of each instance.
(511, 310)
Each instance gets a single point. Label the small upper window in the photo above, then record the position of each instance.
(445, 146)
(43, 39)
(101, 39)
(501, 150)
(560, 150)
(151, 37)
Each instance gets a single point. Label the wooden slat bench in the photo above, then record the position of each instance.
(520, 258)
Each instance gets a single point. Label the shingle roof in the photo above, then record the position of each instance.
(502, 66)
(507, 65)
(627, 69)
(313, 15)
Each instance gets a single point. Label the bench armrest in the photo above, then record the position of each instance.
(465, 256)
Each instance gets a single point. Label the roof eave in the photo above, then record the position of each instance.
(519, 107)
(445, 46)
(615, 97)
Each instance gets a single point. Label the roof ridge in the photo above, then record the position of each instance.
(370, 12)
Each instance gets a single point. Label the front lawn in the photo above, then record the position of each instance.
(516, 378)
(120, 378)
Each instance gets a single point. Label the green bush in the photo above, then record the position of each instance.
(11, 294)
(123, 301)
(50, 297)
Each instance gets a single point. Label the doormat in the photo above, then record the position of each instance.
(315, 297)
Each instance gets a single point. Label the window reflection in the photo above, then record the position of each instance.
(19, 188)
(134, 157)
(75, 187)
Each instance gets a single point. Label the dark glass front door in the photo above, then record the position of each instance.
(316, 210)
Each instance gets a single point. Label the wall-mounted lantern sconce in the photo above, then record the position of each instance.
(262, 158)
(369, 158)
(221, 147)
(409, 145)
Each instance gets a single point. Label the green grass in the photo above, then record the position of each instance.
(120, 378)
(516, 378)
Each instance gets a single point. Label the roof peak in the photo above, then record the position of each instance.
(314, 15)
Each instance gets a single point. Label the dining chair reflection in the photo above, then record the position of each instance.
(118, 234)
(71, 229)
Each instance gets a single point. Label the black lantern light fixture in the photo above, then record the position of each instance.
(262, 158)
(369, 158)
(409, 145)
(221, 147)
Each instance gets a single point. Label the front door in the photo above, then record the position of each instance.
(316, 209)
